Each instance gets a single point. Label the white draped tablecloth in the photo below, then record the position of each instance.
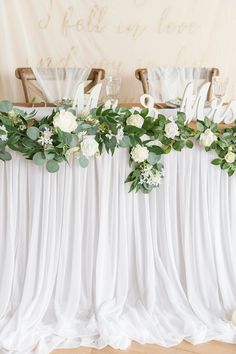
(84, 262)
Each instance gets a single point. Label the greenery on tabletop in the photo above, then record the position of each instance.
(55, 138)
(223, 143)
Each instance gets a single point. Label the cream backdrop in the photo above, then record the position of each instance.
(117, 35)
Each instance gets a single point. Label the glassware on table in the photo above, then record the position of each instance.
(219, 87)
(113, 88)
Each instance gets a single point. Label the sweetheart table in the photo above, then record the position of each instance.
(85, 263)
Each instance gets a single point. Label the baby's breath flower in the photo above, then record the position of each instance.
(45, 137)
(14, 117)
(151, 176)
(22, 127)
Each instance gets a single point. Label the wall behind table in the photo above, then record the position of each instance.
(117, 35)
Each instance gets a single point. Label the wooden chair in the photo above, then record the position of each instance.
(141, 74)
(32, 90)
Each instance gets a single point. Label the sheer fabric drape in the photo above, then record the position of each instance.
(84, 262)
(59, 83)
(169, 83)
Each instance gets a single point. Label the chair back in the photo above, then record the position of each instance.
(35, 88)
(169, 83)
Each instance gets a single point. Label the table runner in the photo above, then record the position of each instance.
(84, 262)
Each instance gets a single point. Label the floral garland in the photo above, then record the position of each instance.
(54, 138)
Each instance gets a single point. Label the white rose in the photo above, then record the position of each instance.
(89, 146)
(171, 130)
(207, 138)
(139, 153)
(66, 121)
(230, 157)
(136, 120)
(234, 318)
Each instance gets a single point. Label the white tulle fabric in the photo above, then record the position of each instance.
(58, 83)
(168, 83)
(84, 262)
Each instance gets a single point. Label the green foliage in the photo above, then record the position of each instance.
(5, 106)
(153, 158)
(5, 156)
(189, 144)
(39, 158)
(216, 162)
(125, 142)
(52, 166)
(33, 133)
(200, 126)
(109, 129)
(83, 161)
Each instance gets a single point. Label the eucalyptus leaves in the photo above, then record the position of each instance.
(55, 138)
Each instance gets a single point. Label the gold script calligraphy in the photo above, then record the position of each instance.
(43, 24)
(93, 23)
(67, 60)
(170, 26)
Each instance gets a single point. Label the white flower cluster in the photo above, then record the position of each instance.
(119, 136)
(14, 117)
(207, 138)
(151, 176)
(45, 137)
(66, 121)
(139, 153)
(89, 146)
(136, 120)
(22, 127)
(3, 137)
(230, 156)
(171, 129)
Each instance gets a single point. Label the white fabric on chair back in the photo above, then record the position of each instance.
(58, 83)
(169, 83)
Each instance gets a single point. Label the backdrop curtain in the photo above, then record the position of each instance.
(84, 262)
(119, 36)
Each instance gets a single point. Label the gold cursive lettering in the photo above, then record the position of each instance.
(172, 27)
(43, 24)
(94, 22)
(51, 62)
(135, 30)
